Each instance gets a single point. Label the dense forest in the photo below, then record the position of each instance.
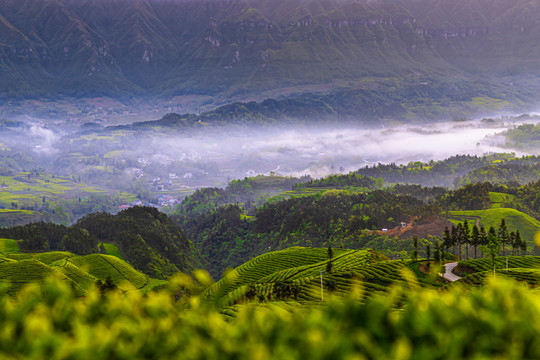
(146, 238)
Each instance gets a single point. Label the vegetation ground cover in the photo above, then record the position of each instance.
(515, 220)
(8, 246)
(82, 272)
(406, 323)
(111, 249)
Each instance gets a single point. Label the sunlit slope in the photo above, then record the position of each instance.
(515, 220)
(525, 269)
(82, 272)
(8, 246)
(46, 257)
(102, 266)
(265, 265)
(16, 274)
(294, 275)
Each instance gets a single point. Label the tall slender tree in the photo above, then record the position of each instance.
(428, 253)
(483, 237)
(437, 253)
(512, 242)
(521, 242)
(493, 248)
(415, 251)
(455, 236)
(466, 237)
(475, 239)
(503, 235)
(447, 239)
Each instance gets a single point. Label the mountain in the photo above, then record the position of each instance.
(247, 48)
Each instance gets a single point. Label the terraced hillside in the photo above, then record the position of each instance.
(521, 268)
(515, 220)
(20, 269)
(294, 275)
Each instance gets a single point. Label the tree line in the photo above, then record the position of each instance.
(465, 236)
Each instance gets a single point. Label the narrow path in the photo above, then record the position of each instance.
(448, 275)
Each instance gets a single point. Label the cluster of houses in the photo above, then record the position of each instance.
(161, 201)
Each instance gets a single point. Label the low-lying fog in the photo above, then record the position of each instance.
(119, 158)
(320, 152)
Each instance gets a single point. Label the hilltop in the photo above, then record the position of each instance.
(19, 269)
(147, 239)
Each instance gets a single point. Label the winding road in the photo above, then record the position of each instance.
(448, 275)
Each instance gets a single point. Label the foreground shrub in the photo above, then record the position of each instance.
(50, 322)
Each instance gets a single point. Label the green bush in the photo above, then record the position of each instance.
(50, 322)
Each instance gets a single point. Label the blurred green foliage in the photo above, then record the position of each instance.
(50, 322)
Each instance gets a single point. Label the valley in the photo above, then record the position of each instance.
(269, 179)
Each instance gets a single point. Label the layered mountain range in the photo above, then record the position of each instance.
(85, 48)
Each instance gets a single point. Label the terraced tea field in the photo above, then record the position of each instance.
(484, 264)
(100, 266)
(82, 272)
(294, 275)
(265, 265)
(521, 268)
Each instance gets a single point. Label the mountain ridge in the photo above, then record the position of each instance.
(240, 47)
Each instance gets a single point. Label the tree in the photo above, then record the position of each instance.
(483, 240)
(493, 248)
(466, 237)
(329, 266)
(475, 239)
(512, 242)
(521, 242)
(437, 253)
(105, 286)
(428, 253)
(503, 235)
(415, 251)
(447, 239)
(460, 237)
(251, 292)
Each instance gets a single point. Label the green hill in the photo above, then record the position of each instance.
(515, 220)
(262, 266)
(8, 246)
(102, 266)
(525, 269)
(16, 274)
(82, 272)
(293, 276)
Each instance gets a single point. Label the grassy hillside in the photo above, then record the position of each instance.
(262, 266)
(293, 277)
(8, 246)
(515, 220)
(102, 266)
(521, 268)
(81, 272)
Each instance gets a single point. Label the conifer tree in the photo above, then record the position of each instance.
(503, 235)
(415, 251)
(475, 239)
